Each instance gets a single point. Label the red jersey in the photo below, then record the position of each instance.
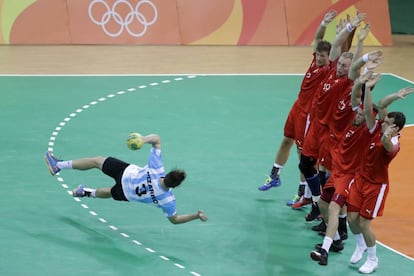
(376, 159)
(342, 115)
(312, 79)
(328, 93)
(347, 157)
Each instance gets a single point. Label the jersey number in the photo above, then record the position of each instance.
(141, 190)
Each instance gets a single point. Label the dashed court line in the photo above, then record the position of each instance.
(60, 179)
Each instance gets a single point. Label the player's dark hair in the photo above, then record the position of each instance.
(399, 119)
(174, 178)
(323, 46)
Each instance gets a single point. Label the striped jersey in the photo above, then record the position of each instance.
(143, 184)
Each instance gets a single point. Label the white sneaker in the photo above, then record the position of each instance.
(369, 266)
(357, 255)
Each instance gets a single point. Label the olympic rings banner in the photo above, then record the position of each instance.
(182, 22)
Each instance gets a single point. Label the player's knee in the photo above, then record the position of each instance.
(307, 166)
(98, 161)
(334, 206)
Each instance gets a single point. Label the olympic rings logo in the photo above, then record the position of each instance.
(134, 15)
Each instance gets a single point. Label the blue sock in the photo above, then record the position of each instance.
(314, 184)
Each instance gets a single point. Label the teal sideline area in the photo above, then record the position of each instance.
(224, 130)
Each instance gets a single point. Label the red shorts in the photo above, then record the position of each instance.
(326, 153)
(325, 158)
(336, 188)
(366, 198)
(296, 125)
(317, 136)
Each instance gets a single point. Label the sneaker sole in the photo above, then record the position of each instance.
(48, 166)
(368, 272)
(300, 207)
(309, 218)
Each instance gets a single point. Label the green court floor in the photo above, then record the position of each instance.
(224, 130)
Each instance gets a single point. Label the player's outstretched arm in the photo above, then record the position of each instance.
(342, 36)
(368, 105)
(178, 219)
(357, 88)
(153, 139)
(362, 35)
(387, 100)
(320, 32)
(372, 60)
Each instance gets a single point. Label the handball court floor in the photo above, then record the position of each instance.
(223, 130)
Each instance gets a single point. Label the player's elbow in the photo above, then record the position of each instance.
(174, 219)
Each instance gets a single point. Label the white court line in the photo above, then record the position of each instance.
(188, 75)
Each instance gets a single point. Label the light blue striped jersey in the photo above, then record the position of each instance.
(143, 184)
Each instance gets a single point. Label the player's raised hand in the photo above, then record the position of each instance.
(363, 78)
(373, 79)
(341, 25)
(402, 93)
(375, 58)
(357, 19)
(329, 16)
(389, 130)
(374, 54)
(363, 33)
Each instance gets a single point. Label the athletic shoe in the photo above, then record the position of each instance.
(314, 214)
(321, 227)
(270, 183)
(336, 246)
(51, 163)
(303, 201)
(357, 255)
(294, 200)
(321, 256)
(369, 266)
(79, 191)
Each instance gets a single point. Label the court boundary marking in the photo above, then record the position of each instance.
(181, 74)
(61, 180)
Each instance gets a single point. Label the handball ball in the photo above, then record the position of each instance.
(134, 141)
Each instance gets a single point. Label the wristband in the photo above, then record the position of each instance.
(349, 28)
(365, 58)
(324, 23)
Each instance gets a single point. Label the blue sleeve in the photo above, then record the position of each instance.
(169, 209)
(155, 159)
